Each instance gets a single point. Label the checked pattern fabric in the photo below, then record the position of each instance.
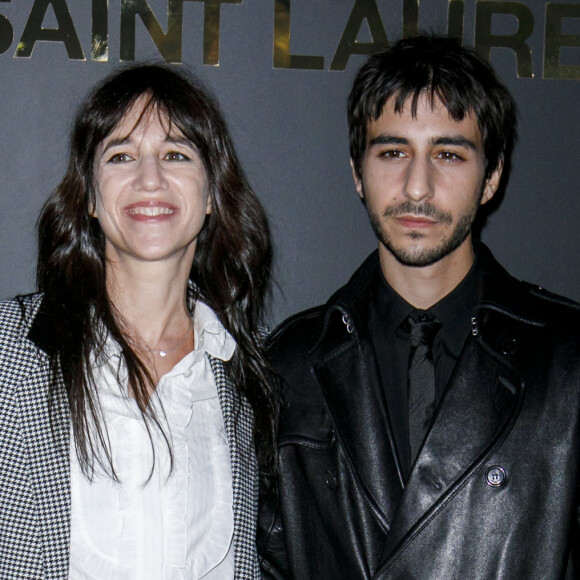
(34, 459)
(239, 428)
(34, 464)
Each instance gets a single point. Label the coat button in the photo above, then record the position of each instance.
(509, 346)
(331, 481)
(495, 476)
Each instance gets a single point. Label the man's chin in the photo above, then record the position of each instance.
(417, 255)
(417, 258)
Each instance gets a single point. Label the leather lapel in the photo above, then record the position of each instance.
(349, 380)
(478, 410)
(45, 429)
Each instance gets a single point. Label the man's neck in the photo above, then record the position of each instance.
(422, 287)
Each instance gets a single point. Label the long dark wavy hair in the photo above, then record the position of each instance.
(230, 272)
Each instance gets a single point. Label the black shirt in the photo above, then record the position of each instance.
(387, 311)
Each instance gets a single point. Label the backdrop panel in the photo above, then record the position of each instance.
(282, 70)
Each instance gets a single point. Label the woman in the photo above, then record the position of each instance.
(132, 386)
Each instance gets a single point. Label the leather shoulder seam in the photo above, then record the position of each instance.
(544, 294)
(303, 316)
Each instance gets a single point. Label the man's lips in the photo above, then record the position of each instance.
(150, 210)
(415, 221)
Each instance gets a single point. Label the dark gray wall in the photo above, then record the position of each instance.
(290, 130)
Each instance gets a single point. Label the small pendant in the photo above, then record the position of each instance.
(162, 353)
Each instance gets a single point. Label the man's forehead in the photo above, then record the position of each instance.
(425, 111)
(415, 103)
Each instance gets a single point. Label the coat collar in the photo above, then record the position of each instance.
(346, 370)
(502, 293)
(348, 375)
(498, 291)
(39, 331)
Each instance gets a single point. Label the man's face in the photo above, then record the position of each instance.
(422, 181)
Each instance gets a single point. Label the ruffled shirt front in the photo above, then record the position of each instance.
(153, 524)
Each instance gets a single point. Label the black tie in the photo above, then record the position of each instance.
(421, 377)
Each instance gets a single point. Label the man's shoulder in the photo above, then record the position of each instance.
(295, 335)
(522, 300)
(300, 332)
(551, 298)
(554, 309)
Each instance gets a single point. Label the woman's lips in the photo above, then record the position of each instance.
(150, 211)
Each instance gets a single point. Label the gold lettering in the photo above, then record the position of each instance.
(485, 40)
(100, 31)
(348, 45)
(455, 19)
(555, 40)
(282, 57)
(168, 43)
(65, 33)
(6, 32)
(211, 29)
(410, 18)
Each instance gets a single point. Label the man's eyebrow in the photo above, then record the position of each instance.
(388, 140)
(458, 141)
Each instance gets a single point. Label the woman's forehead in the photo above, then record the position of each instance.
(144, 118)
(144, 113)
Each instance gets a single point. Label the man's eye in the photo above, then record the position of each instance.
(449, 156)
(176, 156)
(392, 154)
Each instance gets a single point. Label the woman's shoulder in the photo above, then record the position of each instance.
(17, 314)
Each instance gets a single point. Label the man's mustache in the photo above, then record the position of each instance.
(419, 210)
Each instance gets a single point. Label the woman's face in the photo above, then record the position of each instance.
(152, 192)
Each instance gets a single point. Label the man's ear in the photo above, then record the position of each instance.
(492, 183)
(357, 180)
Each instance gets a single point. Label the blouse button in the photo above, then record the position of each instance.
(187, 373)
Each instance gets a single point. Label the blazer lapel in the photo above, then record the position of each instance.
(349, 380)
(46, 437)
(238, 420)
(477, 412)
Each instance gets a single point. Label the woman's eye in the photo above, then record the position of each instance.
(119, 158)
(176, 156)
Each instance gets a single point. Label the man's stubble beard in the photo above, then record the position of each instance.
(413, 255)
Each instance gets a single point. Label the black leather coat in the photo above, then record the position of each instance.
(494, 493)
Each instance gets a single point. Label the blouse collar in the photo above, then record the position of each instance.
(210, 337)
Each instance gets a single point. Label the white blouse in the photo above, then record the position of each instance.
(171, 527)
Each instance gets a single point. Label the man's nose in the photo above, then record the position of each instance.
(419, 178)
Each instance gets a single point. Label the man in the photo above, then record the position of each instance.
(430, 426)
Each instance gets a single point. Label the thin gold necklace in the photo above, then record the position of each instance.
(162, 353)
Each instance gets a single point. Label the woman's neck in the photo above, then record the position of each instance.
(151, 302)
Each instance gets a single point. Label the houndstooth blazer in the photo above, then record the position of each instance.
(34, 456)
